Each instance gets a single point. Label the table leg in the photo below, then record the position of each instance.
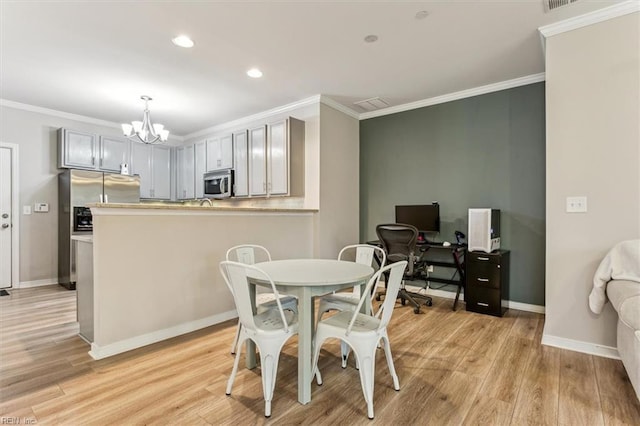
(250, 357)
(305, 344)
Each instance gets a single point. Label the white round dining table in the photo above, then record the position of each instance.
(306, 279)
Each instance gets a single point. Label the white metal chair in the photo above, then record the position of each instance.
(363, 333)
(364, 254)
(269, 329)
(265, 300)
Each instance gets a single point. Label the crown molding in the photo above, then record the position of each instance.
(339, 107)
(70, 116)
(255, 117)
(615, 11)
(489, 88)
(60, 114)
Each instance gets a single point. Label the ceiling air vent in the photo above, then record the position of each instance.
(550, 5)
(372, 104)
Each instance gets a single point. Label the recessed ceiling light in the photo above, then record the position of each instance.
(183, 41)
(254, 73)
(371, 38)
(422, 14)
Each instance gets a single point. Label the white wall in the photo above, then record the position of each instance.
(338, 221)
(593, 149)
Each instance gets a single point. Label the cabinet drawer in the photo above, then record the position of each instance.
(483, 300)
(481, 257)
(483, 274)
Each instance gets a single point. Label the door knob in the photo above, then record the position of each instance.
(5, 215)
(5, 225)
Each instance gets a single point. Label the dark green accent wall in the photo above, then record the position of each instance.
(484, 151)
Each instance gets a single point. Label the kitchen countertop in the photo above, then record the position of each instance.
(196, 208)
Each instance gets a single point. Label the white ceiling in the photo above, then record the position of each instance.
(96, 58)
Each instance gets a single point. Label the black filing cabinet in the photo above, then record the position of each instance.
(487, 287)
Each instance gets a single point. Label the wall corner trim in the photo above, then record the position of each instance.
(482, 90)
(591, 18)
(100, 352)
(339, 107)
(579, 346)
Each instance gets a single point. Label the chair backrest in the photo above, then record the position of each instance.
(396, 272)
(399, 242)
(235, 275)
(364, 254)
(246, 253)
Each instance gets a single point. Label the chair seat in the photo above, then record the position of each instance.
(363, 323)
(267, 301)
(349, 298)
(272, 321)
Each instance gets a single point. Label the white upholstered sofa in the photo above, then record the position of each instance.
(618, 280)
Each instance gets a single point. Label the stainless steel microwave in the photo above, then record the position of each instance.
(218, 184)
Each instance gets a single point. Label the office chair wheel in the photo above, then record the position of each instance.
(416, 310)
(378, 297)
(403, 301)
(428, 302)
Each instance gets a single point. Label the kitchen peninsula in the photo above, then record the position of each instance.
(155, 267)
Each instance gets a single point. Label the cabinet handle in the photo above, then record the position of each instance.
(93, 161)
(269, 186)
(484, 280)
(483, 258)
(219, 163)
(486, 305)
(264, 187)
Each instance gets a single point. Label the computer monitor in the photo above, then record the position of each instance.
(424, 217)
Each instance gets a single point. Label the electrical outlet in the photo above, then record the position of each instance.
(26, 209)
(577, 204)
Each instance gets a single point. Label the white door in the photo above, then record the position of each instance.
(5, 217)
(214, 160)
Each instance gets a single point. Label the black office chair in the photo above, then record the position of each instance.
(399, 243)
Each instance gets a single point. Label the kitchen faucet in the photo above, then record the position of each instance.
(206, 200)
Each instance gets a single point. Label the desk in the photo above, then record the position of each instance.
(457, 252)
(305, 279)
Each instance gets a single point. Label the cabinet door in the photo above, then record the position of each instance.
(78, 150)
(226, 152)
(141, 165)
(200, 168)
(180, 187)
(189, 172)
(278, 159)
(113, 153)
(257, 161)
(241, 170)
(213, 154)
(161, 171)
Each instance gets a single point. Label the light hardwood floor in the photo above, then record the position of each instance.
(454, 368)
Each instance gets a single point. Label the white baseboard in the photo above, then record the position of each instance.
(578, 346)
(99, 352)
(452, 295)
(37, 283)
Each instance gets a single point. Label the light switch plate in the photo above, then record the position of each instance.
(26, 209)
(577, 204)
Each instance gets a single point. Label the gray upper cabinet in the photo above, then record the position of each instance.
(113, 153)
(153, 164)
(79, 150)
(258, 161)
(241, 161)
(200, 167)
(76, 150)
(220, 153)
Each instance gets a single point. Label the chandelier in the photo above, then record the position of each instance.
(143, 130)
